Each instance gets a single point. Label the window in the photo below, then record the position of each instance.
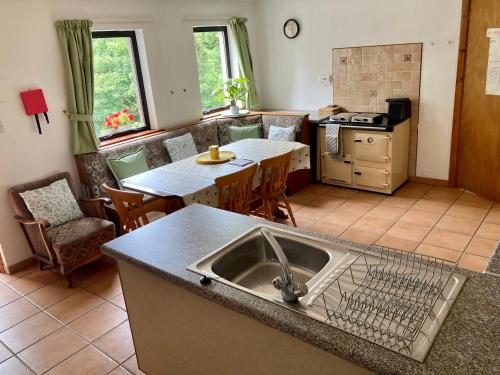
(119, 99)
(214, 65)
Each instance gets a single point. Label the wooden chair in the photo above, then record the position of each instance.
(134, 212)
(235, 190)
(70, 245)
(272, 187)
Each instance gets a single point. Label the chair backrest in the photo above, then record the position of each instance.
(235, 190)
(129, 206)
(17, 202)
(274, 175)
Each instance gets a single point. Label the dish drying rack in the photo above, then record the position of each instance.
(385, 296)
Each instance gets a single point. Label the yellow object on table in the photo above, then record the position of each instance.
(214, 152)
(224, 156)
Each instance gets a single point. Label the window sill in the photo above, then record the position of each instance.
(129, 137)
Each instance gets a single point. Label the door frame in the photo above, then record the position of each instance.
(459, 92)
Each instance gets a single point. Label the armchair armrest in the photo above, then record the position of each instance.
(94, 207)
(26, 221)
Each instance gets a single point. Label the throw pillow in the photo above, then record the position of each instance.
(182, 147)
(237, 133)
(278, 133)
(128, 165)
(54, 203)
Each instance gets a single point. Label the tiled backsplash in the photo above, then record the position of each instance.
(364, 77)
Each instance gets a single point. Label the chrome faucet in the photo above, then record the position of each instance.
(290, 291)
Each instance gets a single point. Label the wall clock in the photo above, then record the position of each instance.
(291, 28)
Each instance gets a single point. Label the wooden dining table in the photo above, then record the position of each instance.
(195, 183)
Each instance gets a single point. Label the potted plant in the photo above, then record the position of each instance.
(234, 89)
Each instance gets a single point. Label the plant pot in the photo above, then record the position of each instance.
(233, 110)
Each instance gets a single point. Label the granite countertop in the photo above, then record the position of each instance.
(494, 263)
(466, 344)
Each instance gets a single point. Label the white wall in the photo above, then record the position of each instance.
(30, 58)
(291, 68)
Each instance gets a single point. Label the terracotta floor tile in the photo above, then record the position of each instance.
(427, 219)
(99, 321)
(481, 246)
(14, 366)
(458, 224)
(438, 252)
(493, 217)
(88, 361)
(52, 350)
(74, 306)
(496, 206)
(326, 201)
(316, 188)
(52, 293)
(295, 206)
(427, 205)
(447, 239)
(342, 217)
(4, 353)
(106, 284)
(312, 212)
(369, 196)
(24, 334)
(357, 206)
(397, 243)
(131, 365)
(386, 212)
(34, 280)
(440, 193)
(302, 197)
(83, 276)
(401, 202)
(373, 224)
(4, 278)
(472, 199)
(489, 230)
(302, 222)
(16, 312)
(412, 190)
(327, 228)
(468, 212)
(119, 301)
(341, 192)
(360, 236)
(119, 371)
(117, 343)
(473, 262)
(410, 232)
(7, 295)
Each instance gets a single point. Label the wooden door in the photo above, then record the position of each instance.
(478, 149)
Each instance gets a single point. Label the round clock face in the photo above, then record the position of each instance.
(291, 28)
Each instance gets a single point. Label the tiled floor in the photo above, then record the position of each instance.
(443, 222)
(47, 328)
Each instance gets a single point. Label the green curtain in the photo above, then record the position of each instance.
(240, 33)
(75, 39)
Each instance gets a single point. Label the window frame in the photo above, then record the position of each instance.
(139, 77)
(223, 29)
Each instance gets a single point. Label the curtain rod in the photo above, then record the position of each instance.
(206, 19)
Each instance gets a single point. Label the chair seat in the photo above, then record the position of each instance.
(78, 242)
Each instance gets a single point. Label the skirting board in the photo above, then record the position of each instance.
(430, 181)
(19, 266)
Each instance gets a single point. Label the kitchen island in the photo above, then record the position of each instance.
(172, 337)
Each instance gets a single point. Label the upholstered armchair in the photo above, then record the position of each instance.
(70, 245)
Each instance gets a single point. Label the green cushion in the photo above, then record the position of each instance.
(237, 133)
(128, 165)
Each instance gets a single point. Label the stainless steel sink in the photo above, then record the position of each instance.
(390, 297)
(250, 264)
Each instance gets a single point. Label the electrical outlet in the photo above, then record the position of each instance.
(325, 80)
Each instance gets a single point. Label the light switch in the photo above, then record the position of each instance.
(325, 79)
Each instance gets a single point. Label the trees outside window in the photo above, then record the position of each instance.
(214, 67)
(119, 99)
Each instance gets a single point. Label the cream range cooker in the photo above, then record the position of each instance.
(374, 157)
